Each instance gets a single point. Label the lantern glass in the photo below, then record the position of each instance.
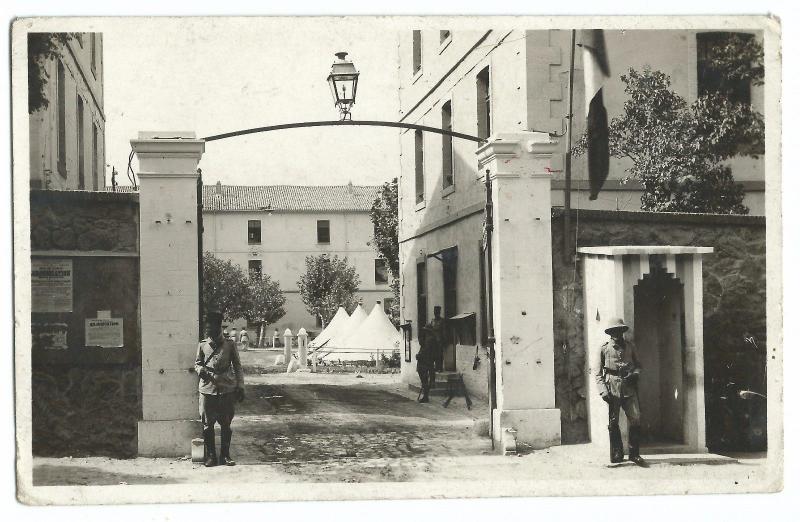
(343, 81)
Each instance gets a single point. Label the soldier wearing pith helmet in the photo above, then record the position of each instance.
(221, 384)
(617, 379)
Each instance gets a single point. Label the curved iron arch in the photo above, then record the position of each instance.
(332, 123)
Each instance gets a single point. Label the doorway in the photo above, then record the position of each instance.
(659, 327)
(658, 291)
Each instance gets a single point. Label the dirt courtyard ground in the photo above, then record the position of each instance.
(337, 428)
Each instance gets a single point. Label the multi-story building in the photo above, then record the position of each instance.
(67, 137)
(489, 83)
(271, 229)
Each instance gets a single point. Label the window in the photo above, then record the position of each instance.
(443, 35)
(381, 272)
(422, 296)
(709, 78)
(484, 104)
(93, 45)
(95, 173)
(254, 268)
(449, 271)
(323, 231)
(81, 172)
(447, 146)
(62, 121)
(254, 232)
(419, 164)
(416, 51)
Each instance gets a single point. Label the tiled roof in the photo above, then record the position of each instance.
(290, 198)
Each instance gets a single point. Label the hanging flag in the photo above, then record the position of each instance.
(595, 73)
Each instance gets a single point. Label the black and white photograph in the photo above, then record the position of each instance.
(374, 258)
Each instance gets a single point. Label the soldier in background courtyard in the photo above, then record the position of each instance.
(221, 384)
(617, 378)
(434, 336)
(425, 365)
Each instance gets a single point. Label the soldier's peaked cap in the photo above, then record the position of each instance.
(616, 324)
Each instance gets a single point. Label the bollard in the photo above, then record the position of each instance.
(302, 347)
(198, 450)
(287, 345)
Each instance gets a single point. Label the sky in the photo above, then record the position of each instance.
(219, 75)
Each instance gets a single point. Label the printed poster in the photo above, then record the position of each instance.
(49, 336)
(104, 332)
(51, 285)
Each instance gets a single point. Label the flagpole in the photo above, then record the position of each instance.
(567, 244)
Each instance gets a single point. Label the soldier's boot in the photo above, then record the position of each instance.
(424, 397)
(225, 448)
(615, 441)
(634, 438)
(210, 448)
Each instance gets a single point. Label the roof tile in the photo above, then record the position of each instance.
(289, 198)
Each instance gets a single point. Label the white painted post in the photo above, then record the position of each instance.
(169, 290)
(302, 347)
(314, 361)
(519, 166)
(275, 338)
(287, 345)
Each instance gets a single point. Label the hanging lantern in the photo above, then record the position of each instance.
(343, 81)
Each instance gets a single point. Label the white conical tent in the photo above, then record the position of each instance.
(339, 319)
(349, 326)
(376, 333)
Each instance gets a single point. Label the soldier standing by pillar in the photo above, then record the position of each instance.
(617, 378)
(221, 384)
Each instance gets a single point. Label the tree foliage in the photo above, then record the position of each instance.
(227, 289)
(42, 48)
(385, 239)
(384, 225)
(678, 150)
(265, 300)
(328, 283)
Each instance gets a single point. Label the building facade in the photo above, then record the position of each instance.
(483, 82)
(271, 229)
(490, 83)
(67, 137)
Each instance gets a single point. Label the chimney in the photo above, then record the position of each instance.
(350, 188)
(219, 188)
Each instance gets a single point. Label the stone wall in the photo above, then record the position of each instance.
(84, 221)
(734, 294)
(87, 400)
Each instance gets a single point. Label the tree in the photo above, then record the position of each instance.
(42, 47)
(328, 283)
(265, 300)
(385, 240)
(677, 150)
(227, 289)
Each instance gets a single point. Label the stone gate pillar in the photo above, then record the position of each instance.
(169, 290)
(519, 167)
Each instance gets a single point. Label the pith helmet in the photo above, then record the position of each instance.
(616, 324)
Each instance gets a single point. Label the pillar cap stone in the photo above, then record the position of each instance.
(287, 332)
(533, 152)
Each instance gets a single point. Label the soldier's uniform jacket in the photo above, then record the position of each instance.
(224, 366)
(434, 334)
(616, 361)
